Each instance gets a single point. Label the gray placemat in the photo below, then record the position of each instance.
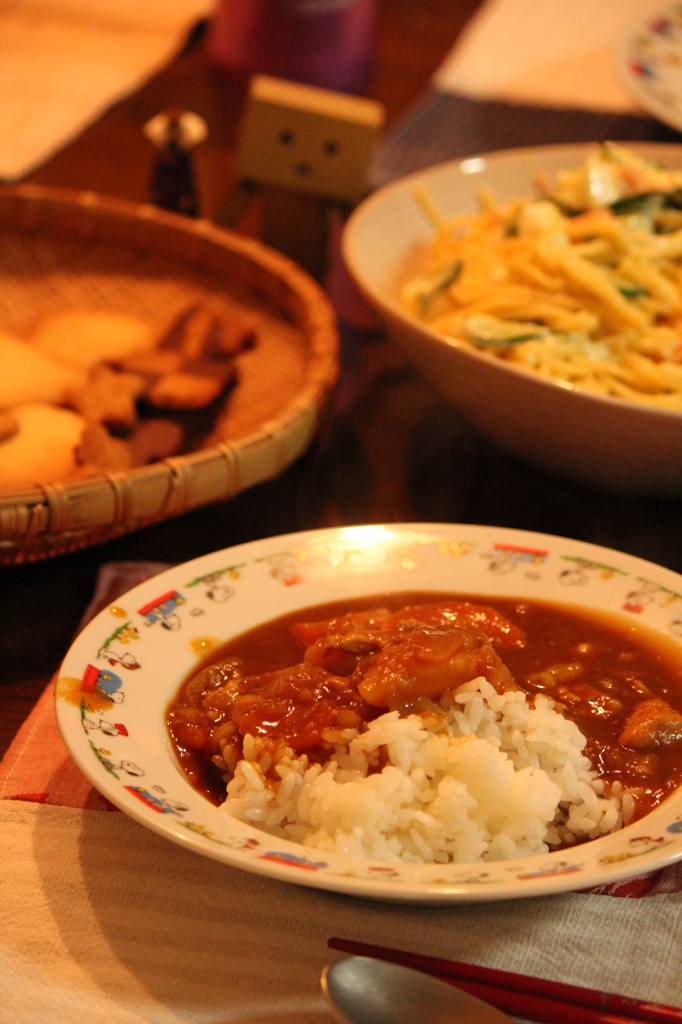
(445, 126)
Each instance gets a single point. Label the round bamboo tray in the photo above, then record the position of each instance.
(77, 250)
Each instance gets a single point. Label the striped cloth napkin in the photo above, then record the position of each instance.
(524, 73)
(103, 921)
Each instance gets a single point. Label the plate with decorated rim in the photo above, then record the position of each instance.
(125, 667)
(648, 60)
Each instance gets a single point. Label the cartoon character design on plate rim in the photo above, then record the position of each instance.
(549, 870)
(217, 589)
(583, 570)
(97, 690)
(469, 878)
(637, 846)
(654, 50)
(162, 805)
(124, 765)
(505, 557)
(293, 567)
(163, 609)
(111, 650)
(108, 728)
(294, 860)
(244, 843)
(648, 593)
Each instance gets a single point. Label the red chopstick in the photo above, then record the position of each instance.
(549, 1002)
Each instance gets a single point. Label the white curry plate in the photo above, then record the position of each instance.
(649, 62)
(127, 664)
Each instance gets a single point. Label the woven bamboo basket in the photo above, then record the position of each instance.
(69, 250)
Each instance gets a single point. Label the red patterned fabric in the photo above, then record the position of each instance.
(37, 767)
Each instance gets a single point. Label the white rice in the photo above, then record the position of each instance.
(494, 777)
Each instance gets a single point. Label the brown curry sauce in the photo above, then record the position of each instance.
(597, 667)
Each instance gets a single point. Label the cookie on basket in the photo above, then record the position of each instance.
(97, 450)
(109, 397)
(193, 364)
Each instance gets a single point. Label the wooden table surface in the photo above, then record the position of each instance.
(391, 449)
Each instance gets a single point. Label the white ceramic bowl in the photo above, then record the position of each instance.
(611, 443)
(112, 718)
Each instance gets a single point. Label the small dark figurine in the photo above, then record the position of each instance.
(175, 133)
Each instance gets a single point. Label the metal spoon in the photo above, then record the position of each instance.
(361, 990)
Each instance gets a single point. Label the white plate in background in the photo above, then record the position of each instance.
(649, 63)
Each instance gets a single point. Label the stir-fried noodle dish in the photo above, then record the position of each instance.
(581, 285)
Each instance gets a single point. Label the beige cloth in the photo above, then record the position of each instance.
(545, 52)
(104, 922)
(63, 62)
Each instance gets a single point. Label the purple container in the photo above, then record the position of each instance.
(328, 43)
